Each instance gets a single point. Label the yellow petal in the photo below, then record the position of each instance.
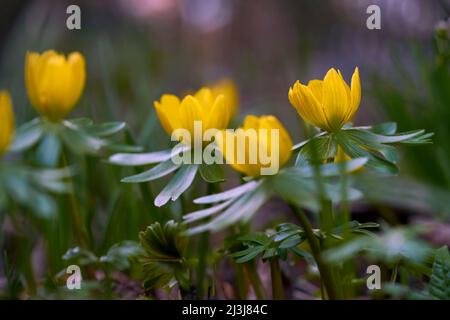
(204, 96)
(31, 65)
(316, 87)
(355, 94)
(247, 141)
(7, 124)
(77, 74)
(219, 115)
(190, 111)
(227, 144)
(308, 107)
(251, 122)
(168, 112)
(229, 89)
(285, 142)
(335, 99)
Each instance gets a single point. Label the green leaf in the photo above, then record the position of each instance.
(80, 142)
(19, 188)
(247, 254)
(139, 159)
(353, 148)
(321, 148)
(369, 137)
(402, 292)
(116, 147)
(180, 182)
(120, 254)
(258, 238)
(282, 235)
(241, 210)
(51, 179)
(301, 144)
(327, 170)
(392, 246)
(80, 256)
(212, 173)
(229, 194)
(270, 253)
(304, 254)
(439, 285)
(390, 153)
(386, 128)
(161, 170)
(291, 242)
(81, 122)
(201, 214)
(27, 135)
(163, 257)
(49, 150)
(304, 192)
(105, 129)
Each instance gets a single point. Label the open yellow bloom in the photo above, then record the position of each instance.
(228, 88)
(7, 124)
(249, 142)
(212, 110)
(328, 103)
(54, 83)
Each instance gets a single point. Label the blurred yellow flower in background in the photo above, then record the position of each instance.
(205, 106)
(229, 89)
(7, 123)
(54, 83)
(328, 103)
(243, 140)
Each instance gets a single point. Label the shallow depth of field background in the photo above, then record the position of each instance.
(137, 50)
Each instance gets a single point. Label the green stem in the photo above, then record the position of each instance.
(77, 224)
(277, 283)
(146, 190)
(241, 281)
(201, 269)
(203, 248)
(394, 274)
(253, 276)
(325, 272)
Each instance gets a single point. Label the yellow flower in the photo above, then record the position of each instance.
(341, 156)
(7, 125)
(249, 142)
(203, 106)
(54, 82)
(327, 104)
(229, 89)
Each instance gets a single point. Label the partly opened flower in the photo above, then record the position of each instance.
(328, 103)
(7, 124)
(252, 149)
(212, 110)
(54, 82)
(228, 88)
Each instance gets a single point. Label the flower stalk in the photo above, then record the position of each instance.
(325, 272)
(277, 281)
(77, 222)
(254, 279)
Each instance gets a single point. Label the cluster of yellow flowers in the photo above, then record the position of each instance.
(327, 104)
(55, 83)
